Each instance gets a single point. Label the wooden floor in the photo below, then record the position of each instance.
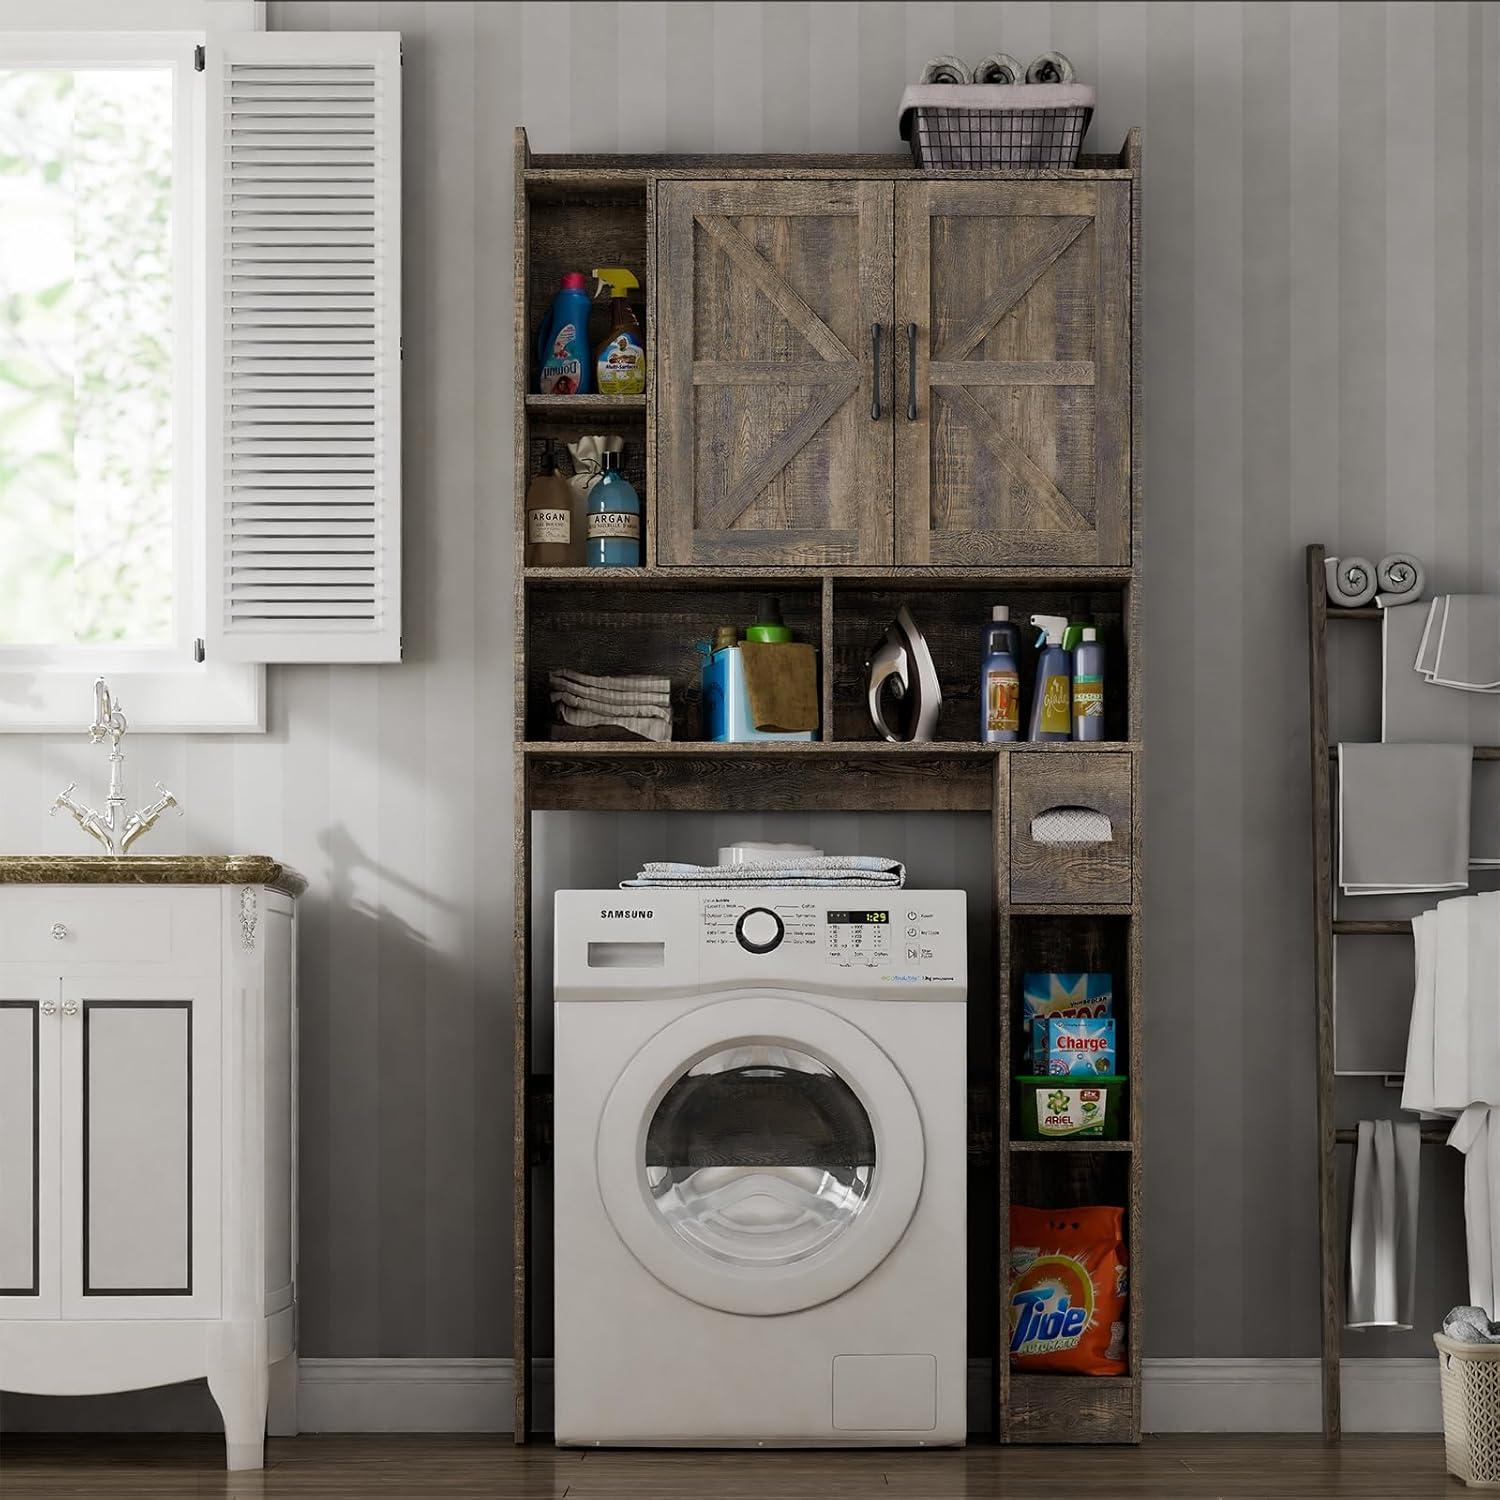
(464, 1468)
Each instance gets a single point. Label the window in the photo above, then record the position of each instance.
(89, 285)
(199, 368)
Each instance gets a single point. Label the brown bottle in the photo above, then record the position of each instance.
(554, 539)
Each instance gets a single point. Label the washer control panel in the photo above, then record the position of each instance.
(880, 937)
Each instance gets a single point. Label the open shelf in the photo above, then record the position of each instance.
(591, 406)
(1072, 1146)
(772, 748)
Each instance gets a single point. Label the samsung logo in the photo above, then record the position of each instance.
(627, 913)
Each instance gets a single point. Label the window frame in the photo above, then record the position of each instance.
(166, 689)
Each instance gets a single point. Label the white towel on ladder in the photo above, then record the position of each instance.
(1475, 1136)
(1383, 1225)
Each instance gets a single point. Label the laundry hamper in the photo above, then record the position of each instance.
(978, 125)
(1471, 1410)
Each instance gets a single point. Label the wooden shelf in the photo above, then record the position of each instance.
(957, 578)
(1072, 1145)
(584, 406)
(677, 749)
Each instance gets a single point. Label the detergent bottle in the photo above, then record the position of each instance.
(1052, 699)
(1088, 686)
(620, 359)
(564, 366)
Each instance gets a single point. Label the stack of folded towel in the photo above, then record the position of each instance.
(796, 870)
(588, 707)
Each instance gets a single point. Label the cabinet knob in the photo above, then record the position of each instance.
(70, 1008)
(49, 1007)
(59, 931)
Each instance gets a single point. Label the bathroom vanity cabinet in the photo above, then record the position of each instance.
(870, 387)
(147, 1135)
(910, 372)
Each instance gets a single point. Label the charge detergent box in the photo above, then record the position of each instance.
(1080, 1044)
(1044, 995)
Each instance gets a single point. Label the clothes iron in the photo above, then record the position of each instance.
(902, 663)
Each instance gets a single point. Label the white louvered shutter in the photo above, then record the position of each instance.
(304, 346)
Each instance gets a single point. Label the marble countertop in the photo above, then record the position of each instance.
(150, 869)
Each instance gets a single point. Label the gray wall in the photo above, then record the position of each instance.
(1321, 345)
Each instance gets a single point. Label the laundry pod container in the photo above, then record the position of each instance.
(1471, 1410)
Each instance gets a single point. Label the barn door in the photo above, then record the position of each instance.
(1013, 373)
(774, 433)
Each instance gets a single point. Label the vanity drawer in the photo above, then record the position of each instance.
(65, 925)
(1095, 866)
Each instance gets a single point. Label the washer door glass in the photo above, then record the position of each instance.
(760, 1156)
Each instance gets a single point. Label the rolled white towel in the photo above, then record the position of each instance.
(1350, 581)
(946, 68)
(1050, 67)
(1000, 67)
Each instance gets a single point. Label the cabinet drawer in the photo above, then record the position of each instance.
(1095, 866)
(65, 925)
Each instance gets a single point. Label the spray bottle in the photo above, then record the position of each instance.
(1052, 700)
(1000, 679)
(620, 359)
(1088, 686)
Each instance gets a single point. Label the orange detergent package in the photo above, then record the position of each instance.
(1068, 1288)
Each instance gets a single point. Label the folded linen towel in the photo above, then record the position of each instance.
(803, 870)
(599, 703)
(1399, 579)
(634, 688)
(1350, 581)
(1383, 1225)
(1403, 818)
(656, 729)
(945, 68)
(1000, 67)
(1461, 644)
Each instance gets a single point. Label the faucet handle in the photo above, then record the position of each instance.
(168, 800)
(61, 799)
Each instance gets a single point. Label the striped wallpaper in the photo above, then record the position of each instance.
(1321, 351)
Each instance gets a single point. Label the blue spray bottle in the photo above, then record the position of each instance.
(564, 361)
(1052, 699)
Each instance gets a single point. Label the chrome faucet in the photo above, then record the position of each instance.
(113, 828)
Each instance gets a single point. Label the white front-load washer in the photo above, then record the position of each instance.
(759, 1135)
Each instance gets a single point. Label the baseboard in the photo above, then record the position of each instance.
(475, 1395)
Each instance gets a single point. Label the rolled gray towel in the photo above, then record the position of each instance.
(1399, 579)
(1351, 581)
(1050, 67)
(1000, 67)
(1469, 1325)
(946, 69)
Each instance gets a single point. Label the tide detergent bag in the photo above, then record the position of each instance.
(1068, 1290)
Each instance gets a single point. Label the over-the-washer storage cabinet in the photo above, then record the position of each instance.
(870, 385)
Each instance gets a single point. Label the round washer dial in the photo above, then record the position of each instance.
(759, 930)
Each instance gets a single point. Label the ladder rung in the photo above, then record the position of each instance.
(1392, 927)
(1433, 1137)
(1481, 752)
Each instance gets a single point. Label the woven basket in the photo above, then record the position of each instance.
(1471, 1410)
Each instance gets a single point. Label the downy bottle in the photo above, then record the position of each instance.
(564, 361)
(614, 518)
(1000, 679)
(1088, 686)
(1052, 700)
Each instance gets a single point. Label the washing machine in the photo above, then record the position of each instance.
(760, 1151)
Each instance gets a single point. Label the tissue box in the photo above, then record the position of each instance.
(1080, 1044)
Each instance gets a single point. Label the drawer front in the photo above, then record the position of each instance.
(1096, 869)
(61, 925)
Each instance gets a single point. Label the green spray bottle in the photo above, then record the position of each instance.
(1052, 699)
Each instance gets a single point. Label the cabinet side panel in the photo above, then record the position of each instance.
(20, 1147)
(280, 1130)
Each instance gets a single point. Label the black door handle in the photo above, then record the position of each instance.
(875, 394)
(911, 372)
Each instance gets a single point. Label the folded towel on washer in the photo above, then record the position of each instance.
(1383, 1225)
(805, 870)
(1403, 818)
(1461, 643)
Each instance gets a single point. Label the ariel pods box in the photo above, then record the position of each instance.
(1080, 1044)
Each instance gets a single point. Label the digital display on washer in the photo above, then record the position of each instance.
(857, 918)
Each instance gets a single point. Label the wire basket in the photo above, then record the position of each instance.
(1471, 1410)
(999, 137)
